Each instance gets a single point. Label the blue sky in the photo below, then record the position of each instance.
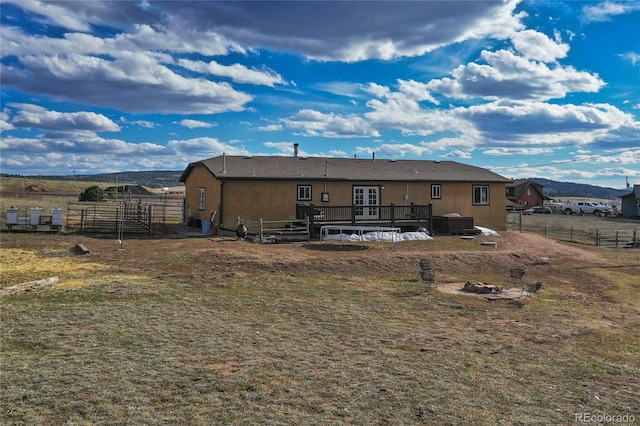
(526, 89)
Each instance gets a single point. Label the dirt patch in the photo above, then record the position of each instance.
(35, 188)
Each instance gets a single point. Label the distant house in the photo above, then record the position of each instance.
(631, 203)
(273, 188)
(525, 193)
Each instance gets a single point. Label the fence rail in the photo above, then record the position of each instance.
(279, 230)
(124, 217)
(620, 238)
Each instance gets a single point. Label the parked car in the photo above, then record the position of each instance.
(586, 207)
(540, 209)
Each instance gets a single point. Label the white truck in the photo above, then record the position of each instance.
(586, 207)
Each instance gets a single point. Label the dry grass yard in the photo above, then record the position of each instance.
(205, 331)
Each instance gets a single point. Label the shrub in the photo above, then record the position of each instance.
(92, 193)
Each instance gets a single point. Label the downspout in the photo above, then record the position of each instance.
(222, 181)
(221, 209)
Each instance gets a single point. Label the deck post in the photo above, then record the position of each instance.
(353, 214)
(311, 213)
(393, 214)
(431, 218)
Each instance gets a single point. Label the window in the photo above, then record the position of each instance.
(202, 199)
(304, 192)
(436, 191)
(480, 194)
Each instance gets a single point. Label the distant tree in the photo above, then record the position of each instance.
(92, 193)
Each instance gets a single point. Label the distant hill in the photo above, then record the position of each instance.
(556, 189)
(150, 179)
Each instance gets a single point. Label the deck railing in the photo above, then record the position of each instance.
(357, 214)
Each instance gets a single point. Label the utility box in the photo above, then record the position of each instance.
(454, 225)
(35, 216)
(12, 217)
(56, 217)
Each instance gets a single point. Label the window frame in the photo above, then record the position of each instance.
(484, 196)
(436, 191)
(202, 198)
(300, 196)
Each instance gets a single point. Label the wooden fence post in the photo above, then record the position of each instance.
(520, 224)
(597, 237)
(149, 217)
(261, 236)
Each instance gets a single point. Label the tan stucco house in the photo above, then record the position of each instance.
(272, 187)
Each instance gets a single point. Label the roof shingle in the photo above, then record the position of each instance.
(328, 168)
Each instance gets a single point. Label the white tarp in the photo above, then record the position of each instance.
(380, 236)
(394, 236)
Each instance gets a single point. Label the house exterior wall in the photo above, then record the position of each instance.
(631, 203)
(276, 200)
(457, 197)
(530, 197)
(200, 177)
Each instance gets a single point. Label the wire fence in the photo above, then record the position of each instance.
(576, 229)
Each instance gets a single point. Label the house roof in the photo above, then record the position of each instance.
(521, 185)
(634, 193)
(328, 168)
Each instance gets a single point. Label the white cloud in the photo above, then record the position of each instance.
(144, 123)
(604, 11)
(457, 154)
(87, 142)
(505, 151)
(237, 72)
(54, 14)
(314, 123)
(393, 150)
(537, 46)
(270, 128)
(509, 76)
(194, 124)
(632, 57)
(205, 148)
(34, 116)
(132, 82)
(537, 124)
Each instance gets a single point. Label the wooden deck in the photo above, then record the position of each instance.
(408, 217)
